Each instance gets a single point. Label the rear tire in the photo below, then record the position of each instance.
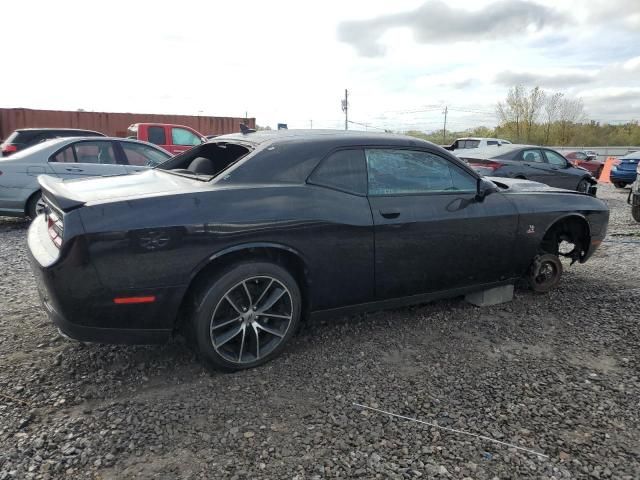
(246, 316)
(545, 272)
(598, 173)
(35, 205)
(619, 184)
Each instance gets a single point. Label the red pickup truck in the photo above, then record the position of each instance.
(173, 138)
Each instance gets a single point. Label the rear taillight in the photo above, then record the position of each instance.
(7, 149)
(55, 226)
(492, 165)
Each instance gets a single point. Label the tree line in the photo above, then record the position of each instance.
(534, 116)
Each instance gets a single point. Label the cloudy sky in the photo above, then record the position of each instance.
(290, 61)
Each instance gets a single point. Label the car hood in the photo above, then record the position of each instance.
(69, 194)
(517, 185)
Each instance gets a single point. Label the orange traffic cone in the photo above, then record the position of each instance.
(606, 171)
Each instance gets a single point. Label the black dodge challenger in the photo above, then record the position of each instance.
(238, 239)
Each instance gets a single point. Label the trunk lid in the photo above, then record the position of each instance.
(70, 194)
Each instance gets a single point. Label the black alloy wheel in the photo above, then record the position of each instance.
(247, 316)
(545, 273)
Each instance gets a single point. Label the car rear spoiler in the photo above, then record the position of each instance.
(55, 191)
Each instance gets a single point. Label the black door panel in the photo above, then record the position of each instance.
(440, 238)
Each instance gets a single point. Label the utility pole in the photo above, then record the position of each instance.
(311, 124)
(444, 130)
(345, 109)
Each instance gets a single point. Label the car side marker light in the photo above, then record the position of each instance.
(130, 300)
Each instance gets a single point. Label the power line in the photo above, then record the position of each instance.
(368, 125)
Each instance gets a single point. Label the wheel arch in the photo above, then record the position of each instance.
(576, 226)
(289, 258)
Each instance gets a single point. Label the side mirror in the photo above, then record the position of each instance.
(485, 188)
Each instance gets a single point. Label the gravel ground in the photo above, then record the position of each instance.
(556, 373)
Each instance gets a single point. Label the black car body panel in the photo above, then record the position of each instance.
(152, 234)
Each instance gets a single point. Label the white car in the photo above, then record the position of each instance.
(68, 158)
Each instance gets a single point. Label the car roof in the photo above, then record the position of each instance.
(482, 138)
(303, 135)
(52, 129)
(54, 143)
(631, 156)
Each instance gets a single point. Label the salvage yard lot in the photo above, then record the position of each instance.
(556, 373)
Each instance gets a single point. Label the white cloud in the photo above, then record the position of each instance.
(632, 65)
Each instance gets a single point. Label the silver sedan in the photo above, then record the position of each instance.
(68, 158)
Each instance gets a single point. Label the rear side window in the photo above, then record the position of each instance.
(180, 136)
(157, 136)
(343, 170)
(492, 142)
(64, 156)
(532, 156)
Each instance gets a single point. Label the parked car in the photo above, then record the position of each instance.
(66, 158)
(623, 172)
(585, 160)
(634, 196)
(25, 137)
(173, 138)
(531, 162)
(476, 142)
(230, 241)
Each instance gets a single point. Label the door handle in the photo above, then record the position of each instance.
(390, 213)
(74, 169)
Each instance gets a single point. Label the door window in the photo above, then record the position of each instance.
(555, 159)
(142, 155)
(64, 156)
(532, 156)
(95, 152)
(397, 172)
(343, 170)
(157, 136)
(180, 136)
